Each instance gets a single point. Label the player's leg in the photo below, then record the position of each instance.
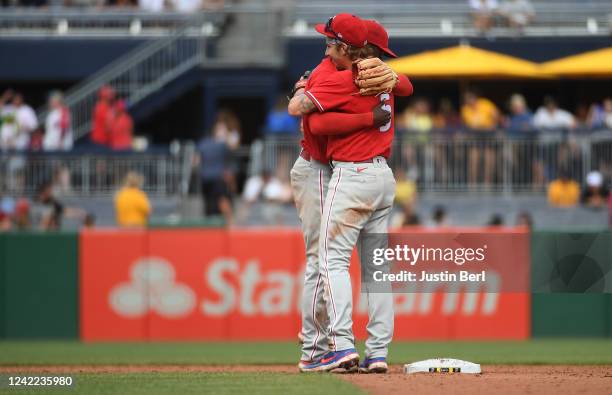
(304, 179)
(379, 297)
(351, 199)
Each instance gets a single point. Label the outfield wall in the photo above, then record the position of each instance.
(206, 284)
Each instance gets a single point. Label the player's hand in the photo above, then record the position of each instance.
(301, 83)
(374, 76)
(381, 116)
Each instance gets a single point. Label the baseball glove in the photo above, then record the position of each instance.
(374, 77)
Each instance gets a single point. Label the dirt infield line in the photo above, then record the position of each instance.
(497, 379)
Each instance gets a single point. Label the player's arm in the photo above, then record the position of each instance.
(403, 87)
(300, 104)
(334, 123)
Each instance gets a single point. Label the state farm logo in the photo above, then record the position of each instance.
(152, 288)
(249, 290)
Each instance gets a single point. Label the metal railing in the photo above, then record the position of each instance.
(453, 18)
(457, 162)
(135, 75)
(78, 175)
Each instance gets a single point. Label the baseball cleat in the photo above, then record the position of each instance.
(345, 361)
(303, 364)
(374, 365)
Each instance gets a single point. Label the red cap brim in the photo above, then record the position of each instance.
(389, 52)
(321, 29)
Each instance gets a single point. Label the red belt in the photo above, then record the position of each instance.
(304, 154)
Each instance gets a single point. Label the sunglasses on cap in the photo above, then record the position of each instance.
(332, 41)
(328, 27)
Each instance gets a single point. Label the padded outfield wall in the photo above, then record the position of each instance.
(205, 284)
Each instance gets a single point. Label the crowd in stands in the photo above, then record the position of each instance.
(516, 14)
(479, 114)
(113, 127)
(20, 129)
(185, 6)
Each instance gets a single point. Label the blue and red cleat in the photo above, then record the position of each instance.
(345, 361)
(374, 365)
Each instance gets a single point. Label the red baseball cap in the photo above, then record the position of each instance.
(377, 35)
(346, 28)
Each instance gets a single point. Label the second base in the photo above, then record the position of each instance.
(442, 365)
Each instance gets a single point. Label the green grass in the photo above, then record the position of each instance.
(562, 351)
(199, 383)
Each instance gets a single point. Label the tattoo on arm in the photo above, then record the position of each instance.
(305, 104)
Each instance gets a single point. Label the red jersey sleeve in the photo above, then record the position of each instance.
(404, 86)
(332, 92)
(333, 123)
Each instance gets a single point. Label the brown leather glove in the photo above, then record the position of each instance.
(374, 77)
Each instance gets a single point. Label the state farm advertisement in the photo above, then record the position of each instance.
(246, 285)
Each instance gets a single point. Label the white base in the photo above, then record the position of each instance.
(442, 365)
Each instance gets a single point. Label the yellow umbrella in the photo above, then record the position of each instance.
(465, 61)
(590, 64)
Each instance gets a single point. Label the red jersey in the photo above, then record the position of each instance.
(121, 132)
(338, 93)
(316, 146)
(99, 132)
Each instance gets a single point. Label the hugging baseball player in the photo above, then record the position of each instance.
(343, 188)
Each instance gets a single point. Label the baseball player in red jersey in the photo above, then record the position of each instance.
(337, 124)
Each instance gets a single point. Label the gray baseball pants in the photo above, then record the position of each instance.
(309, 181)
(359, 201)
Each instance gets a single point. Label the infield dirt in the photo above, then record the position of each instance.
(498, 379)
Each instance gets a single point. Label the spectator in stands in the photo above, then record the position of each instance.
(417, 118)
(481, 116)
(521, 118)
(58, 129)
(551, 117)
(103, 117)
(215, 158)
(48, 211)
(595, 194)
(18, 121)
(405, 188)
(524, 219)
(478, 113)
(279, 122)
(406, 217)
(121, 129)
(89, 221)
(496, 220)
(132, 206)
(600, 116)
(483, 12)
(518, 13)
(417, 121)
(563, 192)
(7, 210)
(439, 217)
(446, 117)
(405, 197)
(21, 217)
(26, 121)
(228, 125)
